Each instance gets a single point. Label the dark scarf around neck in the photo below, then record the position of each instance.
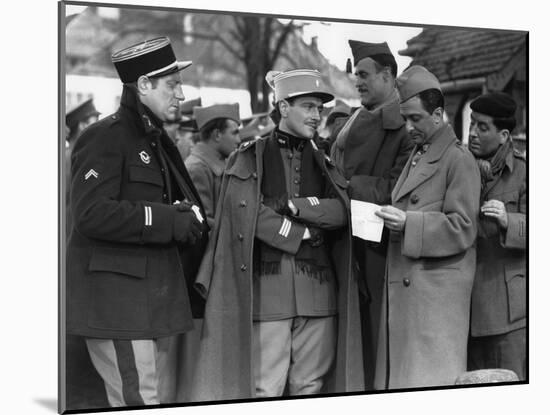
(313, 261)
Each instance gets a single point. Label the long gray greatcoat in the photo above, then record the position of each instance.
(430, 269)
(225, 364)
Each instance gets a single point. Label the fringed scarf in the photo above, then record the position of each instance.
(310, 260)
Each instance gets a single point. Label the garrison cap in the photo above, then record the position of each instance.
(80, 112)
(362, 50)
(495, 104)
(414, 80)
(296, 83)
(152, 58)
(203, 115)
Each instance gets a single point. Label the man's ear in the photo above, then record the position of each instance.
(143, 85)
(437, 115)
(283, 108)
(504, 135)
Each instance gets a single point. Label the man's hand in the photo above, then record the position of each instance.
(394, 218)
(495, 209)
(187, 228)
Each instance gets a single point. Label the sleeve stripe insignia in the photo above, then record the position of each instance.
(148, 216)
(91, 173)
(285, 228)
(314, 201)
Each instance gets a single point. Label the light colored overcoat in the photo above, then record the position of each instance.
(430, 269)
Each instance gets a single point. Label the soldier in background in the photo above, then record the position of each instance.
(498, 321)
(219, 137)
(371, 147)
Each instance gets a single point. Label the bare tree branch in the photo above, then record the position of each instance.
(280, 42)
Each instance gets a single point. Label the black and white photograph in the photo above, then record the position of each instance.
(288, 209)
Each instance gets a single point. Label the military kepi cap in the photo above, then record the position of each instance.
(81, 112)
(203, 115)
(414, 80)
(298, 82)
(495, 104)
(362, 50)
(152, 58)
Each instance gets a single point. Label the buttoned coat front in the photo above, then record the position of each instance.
(225, 363)
(430, 269)
(375, 152)
(126, 275)
(499, 297)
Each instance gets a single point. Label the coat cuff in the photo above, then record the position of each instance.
(158, 223)
(413, 235)
(515, 235)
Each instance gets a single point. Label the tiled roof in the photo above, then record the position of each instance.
(453, 54)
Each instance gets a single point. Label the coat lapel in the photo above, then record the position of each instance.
(427, 166)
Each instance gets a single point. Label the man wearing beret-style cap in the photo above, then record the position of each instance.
(498, 338)
(280, 313)
(219, 136)
(138, 233)
(431, 253)
(371, 147)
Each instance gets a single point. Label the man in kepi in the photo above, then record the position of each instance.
(371, 149)
(138, 233)
(281, 311)
(499, 295)
(431, 252)
(219, 131)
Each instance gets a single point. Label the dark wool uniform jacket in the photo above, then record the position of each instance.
(499, 295)
(126, 278)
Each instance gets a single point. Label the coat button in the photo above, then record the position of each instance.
(243, 267)
(296, 181)
(296, 195)
(406, 282)
(242, 203)
(165, 196)
(153, 144)
(240, 237)
(297, 168)
(414, 199)
(255, 175)
(289, 155)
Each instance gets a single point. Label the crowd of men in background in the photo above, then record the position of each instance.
(209, 261)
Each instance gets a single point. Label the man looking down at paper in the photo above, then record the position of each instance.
(431, 253)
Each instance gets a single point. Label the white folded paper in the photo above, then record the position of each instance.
(364, 223)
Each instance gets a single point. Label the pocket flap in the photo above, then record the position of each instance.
(517, 293)
(119, 261)
(145, 175)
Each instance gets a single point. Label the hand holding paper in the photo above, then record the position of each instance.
(364, 222)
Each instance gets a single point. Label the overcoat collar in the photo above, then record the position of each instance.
(145, 120)
(210, 156)
(427, 166)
